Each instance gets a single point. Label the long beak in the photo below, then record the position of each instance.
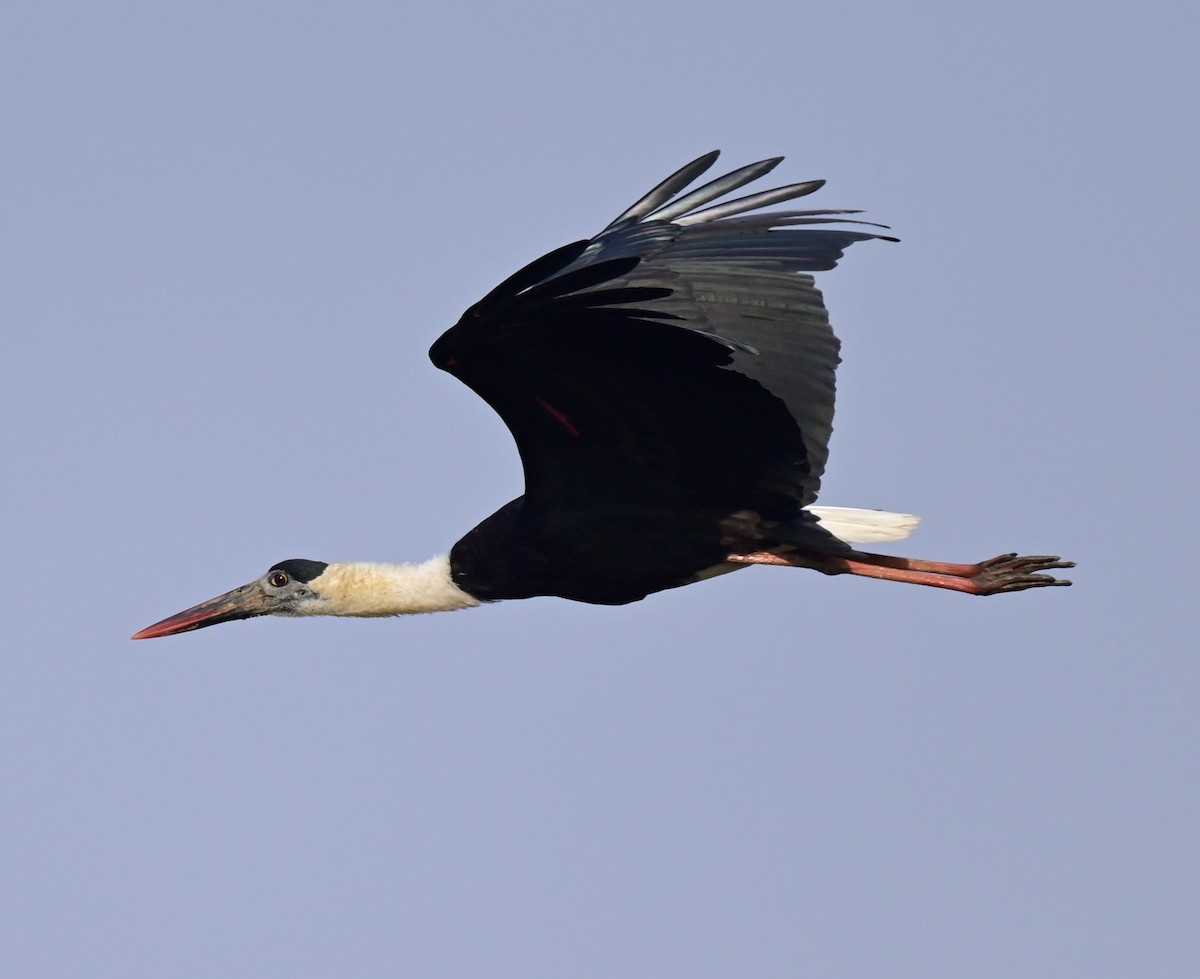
(241, 603)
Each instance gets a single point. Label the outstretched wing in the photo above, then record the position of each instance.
(683, 355)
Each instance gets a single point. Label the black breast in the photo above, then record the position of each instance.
(602, 555)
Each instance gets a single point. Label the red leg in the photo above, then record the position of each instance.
(1008, 572)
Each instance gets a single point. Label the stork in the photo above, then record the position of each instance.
(669, 384)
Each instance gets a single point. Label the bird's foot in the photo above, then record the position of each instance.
(1013, 572)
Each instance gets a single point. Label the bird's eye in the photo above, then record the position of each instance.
(279, 579)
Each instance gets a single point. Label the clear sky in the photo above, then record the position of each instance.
(230, 233)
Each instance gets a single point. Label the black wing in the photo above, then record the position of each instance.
(683, 355)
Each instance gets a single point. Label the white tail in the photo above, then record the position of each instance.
(864, 526)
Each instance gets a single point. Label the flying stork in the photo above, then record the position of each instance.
(669, 384)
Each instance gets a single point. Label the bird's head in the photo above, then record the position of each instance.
(288, 588)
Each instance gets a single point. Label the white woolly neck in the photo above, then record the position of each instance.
(364, 588)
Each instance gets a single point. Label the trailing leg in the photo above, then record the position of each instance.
(1005, 573)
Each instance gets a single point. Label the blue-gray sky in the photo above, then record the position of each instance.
(230, 233)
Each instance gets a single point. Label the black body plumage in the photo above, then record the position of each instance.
(670, 387)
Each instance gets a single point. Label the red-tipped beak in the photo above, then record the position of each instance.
(241, 603)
